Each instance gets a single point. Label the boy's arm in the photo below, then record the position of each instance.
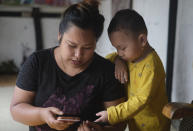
(119, 126)
(137, 102)
(121, 67)
(90, 126)
(112, 56)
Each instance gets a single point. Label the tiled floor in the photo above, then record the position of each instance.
(6, 122)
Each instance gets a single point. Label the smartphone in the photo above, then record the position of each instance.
(68, 118)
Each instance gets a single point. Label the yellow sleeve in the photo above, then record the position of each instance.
(147, 86)
(111, 57)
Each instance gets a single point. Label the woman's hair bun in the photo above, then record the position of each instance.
(93, 3)
(84, 15)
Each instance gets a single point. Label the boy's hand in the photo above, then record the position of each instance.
(103, 116)
(121, 70)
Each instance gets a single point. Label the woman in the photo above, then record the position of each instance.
(69, 79)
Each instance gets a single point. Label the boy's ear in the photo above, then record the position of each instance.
(143, 39)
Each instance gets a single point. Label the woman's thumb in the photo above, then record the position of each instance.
(56, 111)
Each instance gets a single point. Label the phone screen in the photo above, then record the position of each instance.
(69, 119)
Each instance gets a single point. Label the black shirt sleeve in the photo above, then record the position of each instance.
(113, 89)
(28, 75)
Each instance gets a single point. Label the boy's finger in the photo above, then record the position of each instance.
(99, 114)
(99, 120)
(122, 78)
(126, 77)
(116, 76)
(119, 76)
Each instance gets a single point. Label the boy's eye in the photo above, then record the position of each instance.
(87, 48)
(123, 48)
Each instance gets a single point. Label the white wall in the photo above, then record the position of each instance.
(104, 46)
(183, 62)
(50, 31)
(18, 33)
(15, 34)
(155, 14)
(6, 122)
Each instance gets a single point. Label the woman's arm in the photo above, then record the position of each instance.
(23, 111)
(21, 108)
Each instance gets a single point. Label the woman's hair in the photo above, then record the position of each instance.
(84, 15)
(129, 21)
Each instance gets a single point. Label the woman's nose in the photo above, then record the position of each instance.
(78, 53)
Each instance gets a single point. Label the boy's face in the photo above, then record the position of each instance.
(129, 46)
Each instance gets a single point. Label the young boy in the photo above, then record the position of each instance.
(146, 87)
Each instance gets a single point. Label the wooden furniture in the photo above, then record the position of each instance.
(181, 111)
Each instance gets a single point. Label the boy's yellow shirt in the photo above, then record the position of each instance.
(146, 96)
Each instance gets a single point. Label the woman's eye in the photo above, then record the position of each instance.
(72, 46)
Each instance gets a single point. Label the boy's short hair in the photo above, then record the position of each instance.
(127, 20)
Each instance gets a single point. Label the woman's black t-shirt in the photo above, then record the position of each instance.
(81, 95)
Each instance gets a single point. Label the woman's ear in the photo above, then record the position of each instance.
(143, 39)
(59, 38)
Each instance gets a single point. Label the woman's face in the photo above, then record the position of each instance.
(129, 47)
(77, 46)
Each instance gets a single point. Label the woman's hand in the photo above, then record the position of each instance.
(103, 116)
(48, 115)
(121, 70)
(89, 126)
